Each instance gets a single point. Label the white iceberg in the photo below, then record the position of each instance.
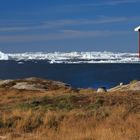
(74, 57)
(78, 57)
(3, 56)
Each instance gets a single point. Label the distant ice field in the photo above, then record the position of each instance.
(74, 57)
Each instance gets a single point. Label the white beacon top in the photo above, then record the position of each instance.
(137, 29)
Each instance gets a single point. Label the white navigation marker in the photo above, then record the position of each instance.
(137, 29)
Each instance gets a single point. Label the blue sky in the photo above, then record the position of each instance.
(69, 25)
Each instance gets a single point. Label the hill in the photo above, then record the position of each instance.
(38, 109)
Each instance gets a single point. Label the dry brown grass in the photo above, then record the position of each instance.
(69, 115)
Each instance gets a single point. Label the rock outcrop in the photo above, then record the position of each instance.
(4, 82)
(132, 86)
(33, 84)
(38, 84)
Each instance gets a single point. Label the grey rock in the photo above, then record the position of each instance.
(60, 84)
(129, 87)
(27, 86)
(33, 83)
(5, 82)
(101, 90)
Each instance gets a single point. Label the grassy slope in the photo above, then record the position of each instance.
(69, 115)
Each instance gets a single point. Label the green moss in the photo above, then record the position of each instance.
(26, 106)
(133, 81)
(65, 102)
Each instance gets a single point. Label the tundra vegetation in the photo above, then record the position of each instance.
(69, 114)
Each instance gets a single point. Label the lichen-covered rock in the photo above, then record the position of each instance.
(28, 86)
(5, 82)
(33, 84)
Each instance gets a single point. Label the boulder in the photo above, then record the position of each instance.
(121, 84)
(101, 90)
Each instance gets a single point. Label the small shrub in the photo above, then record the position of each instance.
(53, 120)
(26, 106)
(98, 103)
(30, 120)
(1, 123)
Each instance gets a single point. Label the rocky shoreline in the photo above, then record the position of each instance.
(38, 84)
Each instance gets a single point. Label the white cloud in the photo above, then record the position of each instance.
(122, 2)
(71, 22)
(61, 35)
(106, 3)
(56, 24)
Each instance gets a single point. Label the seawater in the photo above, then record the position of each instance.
(77, 75)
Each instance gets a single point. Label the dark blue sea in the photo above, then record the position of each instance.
(77, 75)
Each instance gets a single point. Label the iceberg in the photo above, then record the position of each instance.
(3, 56)
(78, 57)
(74, 57)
